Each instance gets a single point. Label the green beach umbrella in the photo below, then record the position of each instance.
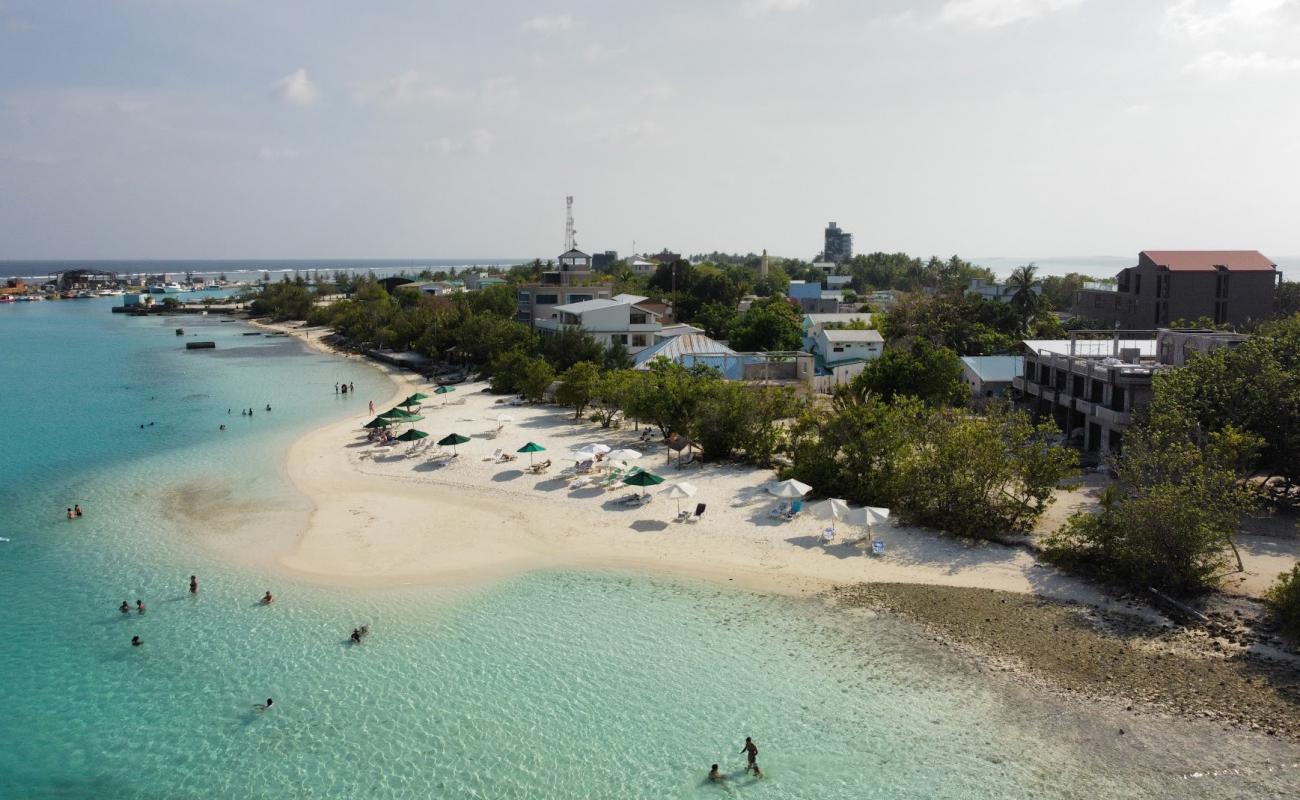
(392, 413)
(413, 399)
(410, 418)
(444, 390)
(530, 448)
(643, 479)
(378, 422)
(412, 435)
(453, 440)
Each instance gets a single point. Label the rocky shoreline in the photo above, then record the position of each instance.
(1224, 673)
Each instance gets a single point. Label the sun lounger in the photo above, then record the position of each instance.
(612, 479)
(496, 456)
(506, 457)
(583, 467)
(682, 516)
(828, 536)
(699, 512)
(877, 547)
(781, 509)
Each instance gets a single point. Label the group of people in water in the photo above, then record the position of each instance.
(74, 512)
(344, 388)
(247, 412)
(750, 751)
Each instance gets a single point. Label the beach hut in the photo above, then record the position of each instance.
(452, 440)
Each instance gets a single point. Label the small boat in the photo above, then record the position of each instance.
(4, 298)
(109, 293)
(85, 295)
(165, 288)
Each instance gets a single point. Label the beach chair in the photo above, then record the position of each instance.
(583, 467)
(682, 516)
(781, 509)
(496, 456)
(699, 512)
(828, 536)
(506, 458)
(877, 547)
(612, 479)
(795, 507)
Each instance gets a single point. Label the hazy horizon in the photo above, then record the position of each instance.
(135, 129)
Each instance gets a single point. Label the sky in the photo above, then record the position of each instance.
(396, 128)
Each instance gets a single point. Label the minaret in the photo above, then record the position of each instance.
(762, 265)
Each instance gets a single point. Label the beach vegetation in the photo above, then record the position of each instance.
(578, 386)
(284, 300)
(976, 476)
(922, 370)
(610, 395)
(1169, 523)
(536, 380)
(564, 348)
(1283, 597)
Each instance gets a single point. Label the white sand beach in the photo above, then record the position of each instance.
(383, 517)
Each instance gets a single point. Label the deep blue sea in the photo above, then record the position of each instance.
(555, 685)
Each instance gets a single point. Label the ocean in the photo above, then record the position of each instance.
(549, 685)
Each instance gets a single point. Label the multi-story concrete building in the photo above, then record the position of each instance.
(1226, 286)
(838, 246)
(1091, 386)
(571, 281)
(618, 319)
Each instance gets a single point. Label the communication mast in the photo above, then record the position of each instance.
(570, 235)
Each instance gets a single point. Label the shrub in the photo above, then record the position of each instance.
(1284, 598)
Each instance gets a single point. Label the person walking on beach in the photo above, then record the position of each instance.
(194, 585)
(751, 754)
(372, 406)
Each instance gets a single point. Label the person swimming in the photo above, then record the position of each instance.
(222, 428)
(716, 775)
(268, 406)
(125, 608)
(264, 706)
(267, 599)
(76, 510)
(136, 641)
(69, 513)
(139, 606)
(356, 636)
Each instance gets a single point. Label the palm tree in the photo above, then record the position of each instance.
(1023, 281)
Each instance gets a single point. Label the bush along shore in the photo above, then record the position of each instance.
(1224, 671)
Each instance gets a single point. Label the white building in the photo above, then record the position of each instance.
(618, 319)
(836, 346)
(813, 324)
(642, 267)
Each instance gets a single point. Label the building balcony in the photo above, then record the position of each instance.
(1111, 417)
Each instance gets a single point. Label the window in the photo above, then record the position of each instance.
(578, 298)
(621, 338)
(640, 318)
(1137, 284)
(837, 349)
(548, 299)
(638, 340)
(525, 297)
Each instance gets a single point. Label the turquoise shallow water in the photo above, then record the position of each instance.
(549, 686)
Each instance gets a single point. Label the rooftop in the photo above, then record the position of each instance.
(588, 305)
(840, 335)
(1092, 348)
(688, 344)
(1210, 260)
(995, 368)
(841, 318)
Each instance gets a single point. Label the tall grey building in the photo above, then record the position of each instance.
(839, 244)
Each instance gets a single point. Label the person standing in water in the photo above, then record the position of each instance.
(70, 510)
(125, 608)
(716, 776)
(136, 641)
(76, 509)
(267, 599)
(139, 606)
(751, 754)
(194, 585)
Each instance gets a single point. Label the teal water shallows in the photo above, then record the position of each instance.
(549, 686)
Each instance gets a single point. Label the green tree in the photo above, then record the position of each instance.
(771, 324)
(617, 356)
(716, 319)
(562, 349)
(1171, 522)
(610, 395)
(537, 378)
(1284, 598)
(578, 386)
(931, 374)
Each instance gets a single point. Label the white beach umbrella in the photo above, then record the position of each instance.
(504, 418)
(867, 516)
(679, 492)
(591, 450)
(623, 454)
(788, 489)
(832, 509)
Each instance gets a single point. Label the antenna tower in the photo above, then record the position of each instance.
(570, 235)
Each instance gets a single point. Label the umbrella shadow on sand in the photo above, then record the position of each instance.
(649, 525)
(591, 491)
(551, 484)
(508, 475)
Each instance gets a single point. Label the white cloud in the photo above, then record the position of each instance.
(402, 91)
(550, 24)
(659, 92)
(1196, 19)
(996, 13)
(268, 153)
(499, 92)
(296, 89)
(478, 141)
(1222, 66)
(625, 132)
(768, 6)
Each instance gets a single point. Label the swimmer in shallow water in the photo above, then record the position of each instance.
(125, 608)
(139, 606)
(136, 641)
(267, 599)
(716, 776)
(264, 706)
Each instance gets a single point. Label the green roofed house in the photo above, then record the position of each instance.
(991, 376)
